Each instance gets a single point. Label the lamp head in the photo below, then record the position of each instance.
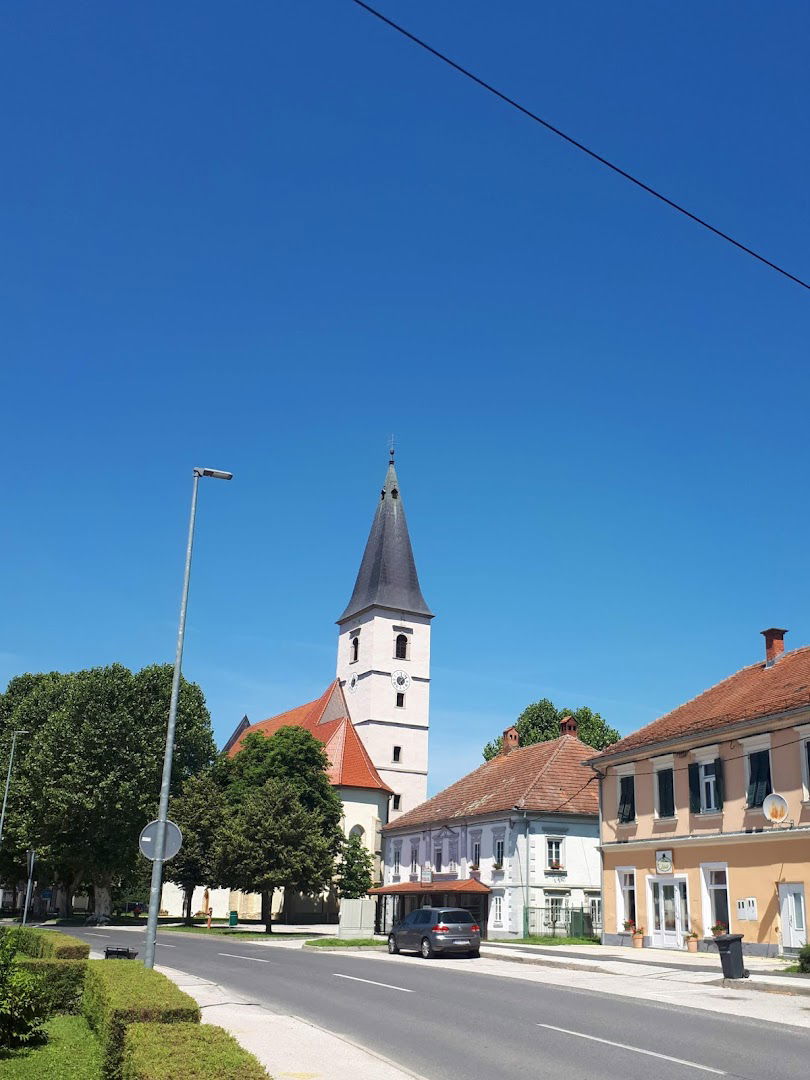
(218, 474)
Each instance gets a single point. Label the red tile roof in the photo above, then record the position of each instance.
(327, 718)
(545, 776)
(468, 885)
(753, 692)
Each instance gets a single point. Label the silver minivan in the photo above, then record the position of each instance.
(430, 931)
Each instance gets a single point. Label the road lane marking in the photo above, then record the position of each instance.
(636, 1049)
(98, 935)
(371, 982)
(238, 956)
(165, 945)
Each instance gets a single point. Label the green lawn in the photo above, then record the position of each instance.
(71, 1053)
(546, 939)
(223, 931)
(344, 943)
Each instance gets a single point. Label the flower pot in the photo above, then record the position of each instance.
(638, 941)
(692, 944)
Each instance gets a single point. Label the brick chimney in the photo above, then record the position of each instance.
(568, 726)
(510, 740)
(774, 644)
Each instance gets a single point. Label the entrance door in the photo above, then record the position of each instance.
(794, 916)
(666, 930)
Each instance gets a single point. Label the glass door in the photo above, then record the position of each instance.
(665, 908)
(794, 918)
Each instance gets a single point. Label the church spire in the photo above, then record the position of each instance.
(387, 576)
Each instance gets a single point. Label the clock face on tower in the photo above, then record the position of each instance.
(400, 680)
(353, 683)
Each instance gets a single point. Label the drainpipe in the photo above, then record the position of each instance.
(526, 876)
(601, 777)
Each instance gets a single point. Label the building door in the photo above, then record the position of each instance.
(794, 916)
(665, 910)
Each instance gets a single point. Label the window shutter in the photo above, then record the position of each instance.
(718, 781)
(666, 801)
(624, 800)
(694, 788)
(762, 786)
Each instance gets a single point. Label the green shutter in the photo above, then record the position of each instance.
(718, 781)
(694, 788)
(666, 801)
(627, 799)
(759, 785)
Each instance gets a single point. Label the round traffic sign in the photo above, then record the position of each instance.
(148, 840)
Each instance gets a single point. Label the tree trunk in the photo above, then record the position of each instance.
(267, 912)
(188, 897)
(103, 900)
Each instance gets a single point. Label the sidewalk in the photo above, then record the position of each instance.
(289, 1048)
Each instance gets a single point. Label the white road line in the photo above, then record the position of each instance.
(165, 945)
(371, 982)
(636, 1049)
(98, 935)
(238, 956)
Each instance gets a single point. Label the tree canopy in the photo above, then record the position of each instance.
(199, 812)
(540, 722)
(354, 870)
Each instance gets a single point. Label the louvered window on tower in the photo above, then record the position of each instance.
(355, 649)
(401, 647)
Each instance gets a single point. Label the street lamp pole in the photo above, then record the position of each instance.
(163, 811)
(14, 735)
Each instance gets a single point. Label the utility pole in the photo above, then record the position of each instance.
(14, 735)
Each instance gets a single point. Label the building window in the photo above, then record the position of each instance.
(401, 647)
(497, 910)
(759, 777)
(716, 879)
(595, 911)
(355, 650)
(437, 860)
(476, 854)
(706, 786)
(627, 799)
(414, 858)
(684, 905)
(665, 792)
(397, 802)
(396, 860)
(554, 854)
(498, 853)
(400, 701)
(626, 897)
(397, 754)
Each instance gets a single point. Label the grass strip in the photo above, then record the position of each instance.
(72, 1052)
(344, 943)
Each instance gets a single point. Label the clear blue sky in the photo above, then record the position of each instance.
(263, 236)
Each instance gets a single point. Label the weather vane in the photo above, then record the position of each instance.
(391, 451)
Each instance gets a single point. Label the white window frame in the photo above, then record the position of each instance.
(397, 865)
(705, 891)
(475, 857)
(438, 849)
(560, 842)
(497, 910)
(621, 771)
(396, 801)
(659, 764)
(753, 745)
(803, 731)
(621, 914)
(414, 858)
(499, 843)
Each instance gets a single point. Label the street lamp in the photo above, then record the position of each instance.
(14, 735)
(163, 811)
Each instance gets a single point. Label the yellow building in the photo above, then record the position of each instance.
(686, 843)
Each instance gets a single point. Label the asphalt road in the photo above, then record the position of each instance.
(460, 1025)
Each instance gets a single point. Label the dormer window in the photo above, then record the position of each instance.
(401, 647)
(354, 650)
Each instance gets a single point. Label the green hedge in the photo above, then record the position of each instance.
(804, 959)
(47, 943)
(122, 992)
(62, 981)
(186, 1052)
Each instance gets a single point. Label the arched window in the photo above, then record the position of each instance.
(401, 647)
(358, 831)
(355, 649)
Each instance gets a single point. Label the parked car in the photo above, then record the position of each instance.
(430, 931)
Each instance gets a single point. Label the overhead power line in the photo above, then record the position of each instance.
(576, 143)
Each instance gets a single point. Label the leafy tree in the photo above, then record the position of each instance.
(199, 811)
(270, 841)
(540, 722)
(88, 776)
(354, 870)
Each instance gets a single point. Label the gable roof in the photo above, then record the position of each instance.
(757, 690)
(327, 718)
(387, 576)
(546, 776)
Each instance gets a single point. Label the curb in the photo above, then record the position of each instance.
(751, 983)
(542, 961)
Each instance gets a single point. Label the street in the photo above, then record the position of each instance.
(455, 1024)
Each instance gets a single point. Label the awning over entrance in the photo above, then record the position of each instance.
(417, 888)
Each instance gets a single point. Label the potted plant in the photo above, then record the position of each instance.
(719, 928)
(692, 941)
(638, 937)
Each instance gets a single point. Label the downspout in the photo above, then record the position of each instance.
(526, 876)
(601, 777)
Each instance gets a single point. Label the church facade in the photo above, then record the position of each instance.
(374, 717)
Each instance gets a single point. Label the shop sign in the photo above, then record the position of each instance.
(427, 875)
(663, 862)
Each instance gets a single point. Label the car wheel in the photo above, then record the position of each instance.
(426, 950)
(474, 954)
(393, 948)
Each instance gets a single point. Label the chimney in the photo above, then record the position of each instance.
(510, 740)
(568, 726)
(774, 644)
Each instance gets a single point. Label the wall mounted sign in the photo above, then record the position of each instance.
(663, 862)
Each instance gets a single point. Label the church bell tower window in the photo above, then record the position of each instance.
(401, 647)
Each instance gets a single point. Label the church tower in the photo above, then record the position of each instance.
(384, 654)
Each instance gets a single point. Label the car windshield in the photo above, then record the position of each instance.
(457, 916)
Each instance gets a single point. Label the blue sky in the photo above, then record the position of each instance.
(263, 237)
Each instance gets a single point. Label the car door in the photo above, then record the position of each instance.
(421, 921)
(407, 933)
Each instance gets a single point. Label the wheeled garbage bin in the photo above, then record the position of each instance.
(731, 955)
(233, 918)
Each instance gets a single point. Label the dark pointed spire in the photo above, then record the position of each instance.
(387, 576)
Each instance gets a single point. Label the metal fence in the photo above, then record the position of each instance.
(559, 920)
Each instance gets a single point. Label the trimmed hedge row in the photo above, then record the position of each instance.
(61, 981)
(50, 944)
(118, 993)
(186, 1052)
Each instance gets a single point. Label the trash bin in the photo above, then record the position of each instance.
(233, 918)
(731, 955)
